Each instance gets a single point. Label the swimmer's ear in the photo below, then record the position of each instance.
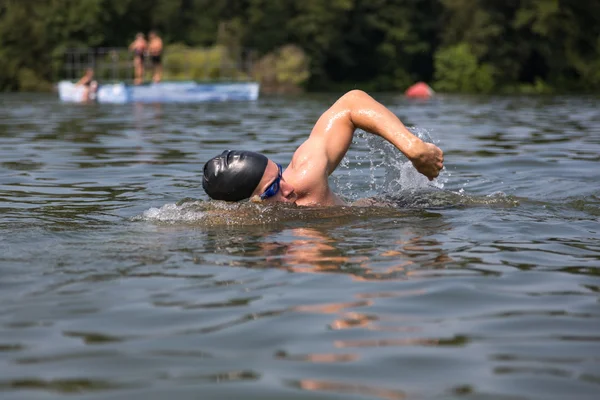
(256, 199)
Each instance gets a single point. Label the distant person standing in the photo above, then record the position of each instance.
(138, 47)
(155, 49)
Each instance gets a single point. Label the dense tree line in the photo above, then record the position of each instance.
(456, 45)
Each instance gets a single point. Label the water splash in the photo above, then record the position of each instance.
(188, 212)
(219, 213)
(389, 171)
(207, 213)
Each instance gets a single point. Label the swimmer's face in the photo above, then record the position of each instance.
(271, 177)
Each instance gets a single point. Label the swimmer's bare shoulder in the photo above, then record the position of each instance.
(308, 174)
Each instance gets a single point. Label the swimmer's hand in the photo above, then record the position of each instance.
(428, 160)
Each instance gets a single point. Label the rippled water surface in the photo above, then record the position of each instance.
(118, 279)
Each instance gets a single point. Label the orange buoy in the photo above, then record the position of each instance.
(419, 90)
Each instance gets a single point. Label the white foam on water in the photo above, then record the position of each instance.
(187, 212)
(211, 213)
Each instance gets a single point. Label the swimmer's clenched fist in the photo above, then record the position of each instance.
(239, 175)
(429, 161)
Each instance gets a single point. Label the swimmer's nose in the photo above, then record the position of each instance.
(286, 189)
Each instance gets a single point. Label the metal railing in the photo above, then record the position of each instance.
(201, 64)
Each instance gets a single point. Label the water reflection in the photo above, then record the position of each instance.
(147, 116)
(306, 250)
(64, 386)
(316, 250)
(349, 388)
(317, 357)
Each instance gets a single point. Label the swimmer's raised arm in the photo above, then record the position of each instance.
(332, 135)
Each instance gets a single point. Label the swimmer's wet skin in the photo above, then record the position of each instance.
(240, 175)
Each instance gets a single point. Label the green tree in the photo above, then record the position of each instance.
(457, 70)
(531, 45)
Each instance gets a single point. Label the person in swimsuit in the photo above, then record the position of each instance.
(155, 49)
(138, 47)
(238, 175)
(89, 84)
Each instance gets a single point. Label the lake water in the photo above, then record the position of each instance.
(119, 280)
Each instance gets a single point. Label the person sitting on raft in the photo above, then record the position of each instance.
(238, 175)
(90, 86)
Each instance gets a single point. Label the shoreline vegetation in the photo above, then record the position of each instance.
(284, 70)
(456, 46)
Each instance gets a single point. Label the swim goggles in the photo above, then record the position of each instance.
(274, 187)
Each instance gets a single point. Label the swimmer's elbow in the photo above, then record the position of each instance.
(355, 95)
(356, 100)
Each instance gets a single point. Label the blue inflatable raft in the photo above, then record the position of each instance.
(163, 92)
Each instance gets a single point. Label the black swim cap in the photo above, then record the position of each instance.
(233, 175)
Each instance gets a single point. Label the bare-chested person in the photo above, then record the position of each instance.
(155, 49)
(90, 86)
(239, 175)
(138, 47)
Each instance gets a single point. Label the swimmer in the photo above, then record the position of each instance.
(90, 86)
(240, 175)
